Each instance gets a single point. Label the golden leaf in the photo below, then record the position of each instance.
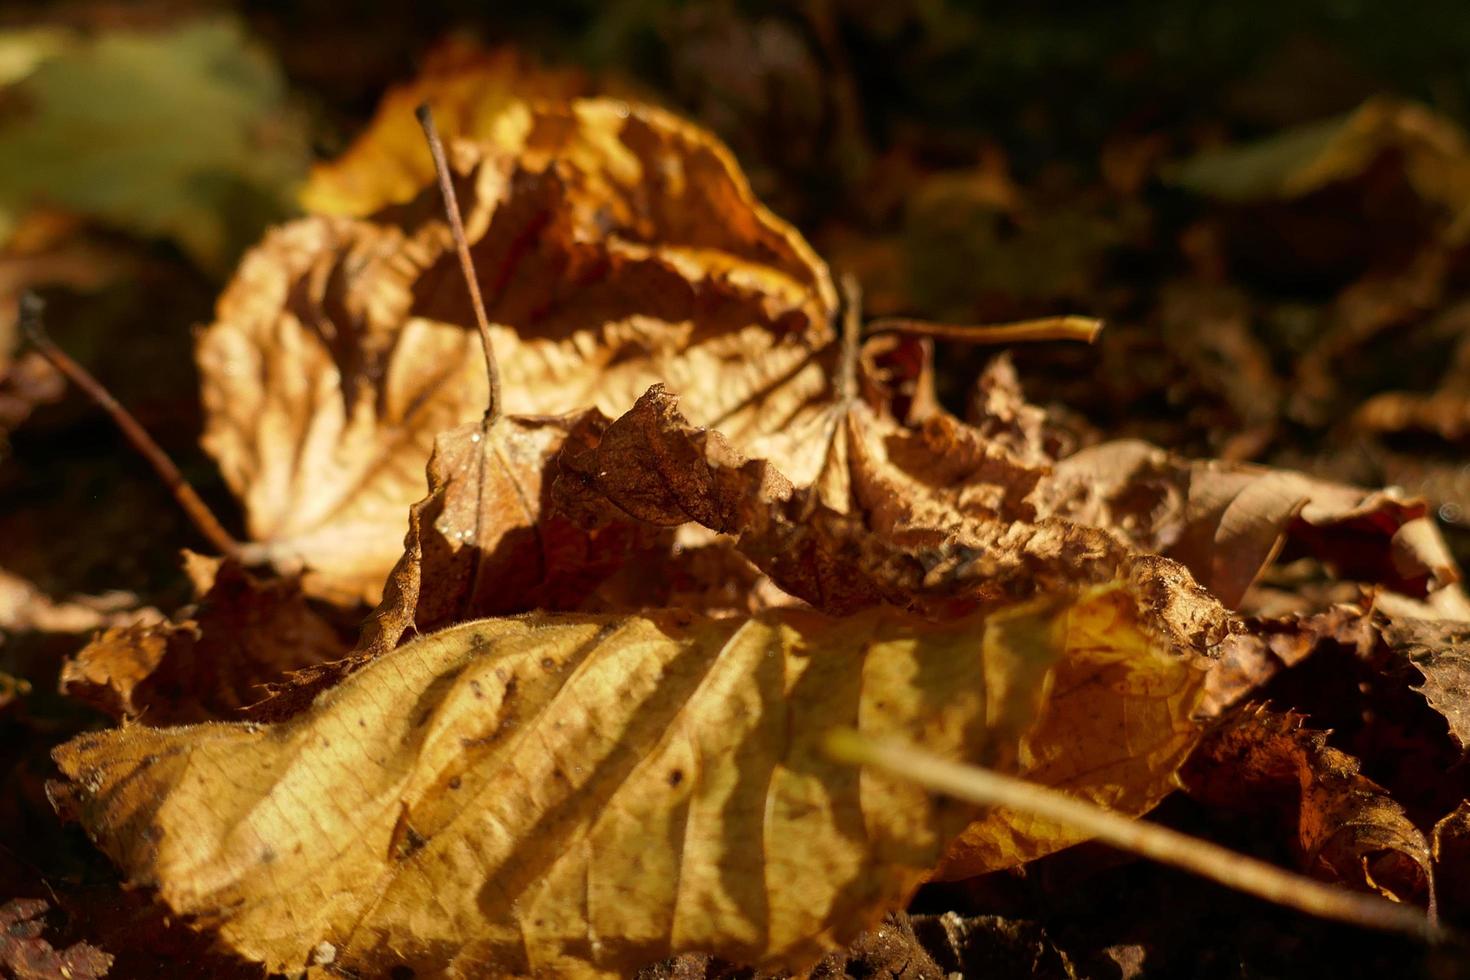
(467, 87)
(581, 795)
(617, 246)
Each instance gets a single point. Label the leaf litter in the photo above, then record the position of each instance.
(709, 519)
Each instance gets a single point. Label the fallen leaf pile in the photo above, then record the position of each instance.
(544, 690)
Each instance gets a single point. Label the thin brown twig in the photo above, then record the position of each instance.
(197, 510)
(852, 336)
(989, 788)
(1083, 328)
(462, 248)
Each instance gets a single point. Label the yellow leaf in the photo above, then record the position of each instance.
(617, 246)
(579, 795)
(468, 88)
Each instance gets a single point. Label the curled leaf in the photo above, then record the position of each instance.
(1439, 653)
(1451, 850)
(244, 633)
(617, 246)
(583, 795)
(1227, 521)
(468, 87)
(1432, 151)
(485, 542)
(1342, 826)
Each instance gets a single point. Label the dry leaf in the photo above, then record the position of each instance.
(485, 542)
(1343, 826)
(1247, 660)
(1451, 842)
(582, 795)
(1227, 521)
(468, 87)
(25, 608)
(1432, 151)
(1440, 653)
(244, 633)
(26, 956)
(617, 246)
(863, 531)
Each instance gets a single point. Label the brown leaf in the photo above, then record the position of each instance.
(1227, 521)
(485, 537)
(1342, 826)
(211, 661)
(580, 795)
(25, 608)
(864, 529)
(1451, 842)
(1249, 659)
(26, 956)
(1440, 653)
(617, 246)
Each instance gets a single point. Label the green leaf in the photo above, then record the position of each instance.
(182, 134)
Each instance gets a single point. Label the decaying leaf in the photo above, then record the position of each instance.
(1247, 660)
(582, 795)
(485, 542)
(617, 247)
(1439, 652)
(1451, 852)
(1342, 826)
(243, 633)
(27, 956)
(467, 87)
(25, 608)
(1432, 151)
(829, 542)
(1227, 521)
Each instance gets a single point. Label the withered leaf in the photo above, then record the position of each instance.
(1342, 826)
(485, 542)
(467, 87)
(1431, 149)
(25, 955)
(1439, 652)
(1451, 852)
(850, 538)
(617, 246)
(24, 608)
(582, 795)
(1248, 659)
(1227, 521)
(657, 467)
(218, 657)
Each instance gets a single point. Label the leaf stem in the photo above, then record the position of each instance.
(852, 336)
(1083, 328)
(462, 249)
(1246, 874)
(198, 511)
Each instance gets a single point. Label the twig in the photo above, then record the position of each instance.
(1081, 328)
(198, 511)
(462, 248)
(1246, 874)
(852, 336)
